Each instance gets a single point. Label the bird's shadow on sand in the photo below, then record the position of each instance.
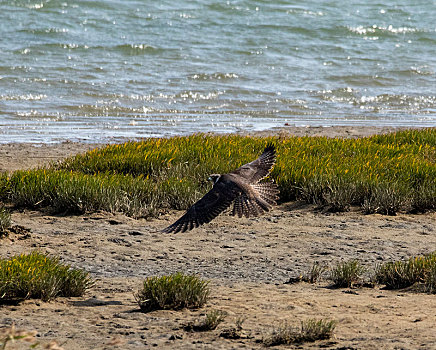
(92, 302)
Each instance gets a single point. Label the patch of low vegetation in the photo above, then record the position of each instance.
(347, 274)
(76, 193)
(5, 220)
(384, 199)
(39, 276)
(212, 319)
(12, 335)
(420, 270)
(309, 331)
(311, 276)
(315, 273)
(382, 174)
(176, 291)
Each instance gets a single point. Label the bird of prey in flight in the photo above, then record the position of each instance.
(242, 187)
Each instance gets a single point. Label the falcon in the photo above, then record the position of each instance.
(242, 187)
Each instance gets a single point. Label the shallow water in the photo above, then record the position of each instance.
(99, 71)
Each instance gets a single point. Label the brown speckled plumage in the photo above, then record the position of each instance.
(242, 187)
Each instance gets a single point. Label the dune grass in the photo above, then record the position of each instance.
(39, 276)
(416, 270)
(310, 330)
(176, 291)
(346, 274)
(382, 174)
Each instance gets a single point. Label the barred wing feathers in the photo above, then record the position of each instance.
(206, 209)
(258, 169)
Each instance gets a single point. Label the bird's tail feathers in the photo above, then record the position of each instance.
(267, 194)
(268, 191)
(241, 206)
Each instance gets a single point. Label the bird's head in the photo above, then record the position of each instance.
(214, 178)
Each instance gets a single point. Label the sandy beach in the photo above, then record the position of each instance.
(248, 262)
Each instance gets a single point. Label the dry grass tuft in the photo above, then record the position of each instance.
(309, 331)
(12, 335)
(315, 273)
(346, 274)
(212, 319)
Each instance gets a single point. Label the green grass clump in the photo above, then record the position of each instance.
(39, 276)
(5, 219)
(382, 174)
(402, 274)
(176, 291)
(309, 331)
(346, 274)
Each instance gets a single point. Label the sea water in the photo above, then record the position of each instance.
(100, 71)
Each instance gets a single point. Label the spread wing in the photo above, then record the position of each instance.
(258, 169)
(252, 198)
(207, 208)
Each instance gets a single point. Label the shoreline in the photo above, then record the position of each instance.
(19, 156)
(287, 128)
